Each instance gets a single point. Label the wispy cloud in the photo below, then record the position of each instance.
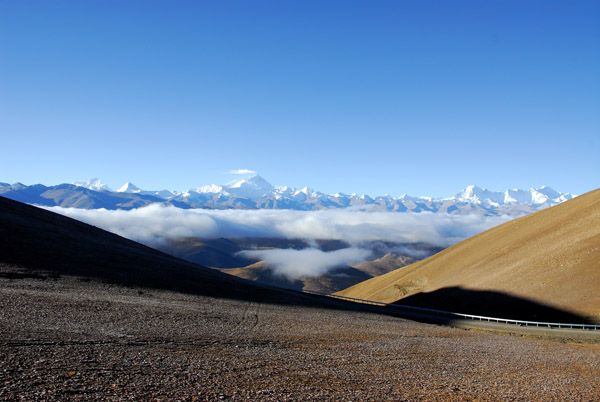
(156, 223)
(310, 262)
(242, 171)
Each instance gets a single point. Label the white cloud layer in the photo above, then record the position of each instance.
(242, 171)
(156, 223)
(310, 262)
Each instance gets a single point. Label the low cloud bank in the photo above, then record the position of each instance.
(157, 223)
(310, 262)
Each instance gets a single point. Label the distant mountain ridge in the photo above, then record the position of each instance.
(533, 196)
(257, 193)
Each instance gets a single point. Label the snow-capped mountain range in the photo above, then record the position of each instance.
(257, 193)
(93, 184)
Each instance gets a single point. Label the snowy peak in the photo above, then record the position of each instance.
(471, 193)
(93, 184)
(129, 188)
(479, 195)
(253, 182)
(210, 189)
(252, 187)
(533, 196)
(545, 194)
(164, 194)
(516, 196)
(305, 191)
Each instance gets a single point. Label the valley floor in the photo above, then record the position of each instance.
(67, 339)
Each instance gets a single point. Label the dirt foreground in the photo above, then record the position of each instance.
(72, 339)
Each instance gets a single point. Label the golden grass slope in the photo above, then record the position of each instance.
(551, 257)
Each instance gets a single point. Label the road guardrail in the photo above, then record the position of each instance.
(450, 314)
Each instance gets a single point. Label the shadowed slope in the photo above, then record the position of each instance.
(551, 257)
(215, 253)
(38, 243)
(490, 304)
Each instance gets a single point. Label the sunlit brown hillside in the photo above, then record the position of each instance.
(551, 257)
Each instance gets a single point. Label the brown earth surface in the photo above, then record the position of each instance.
(551, 257)
(75, 339)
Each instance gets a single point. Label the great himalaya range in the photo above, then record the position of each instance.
(257, 193)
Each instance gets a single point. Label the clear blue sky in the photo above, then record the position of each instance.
(417, 97)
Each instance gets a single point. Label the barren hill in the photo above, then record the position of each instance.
(551, 257)
(332, 281)
(385, 264)
(40, 244)
(338, 278)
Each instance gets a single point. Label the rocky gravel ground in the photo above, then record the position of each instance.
(70, 339)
